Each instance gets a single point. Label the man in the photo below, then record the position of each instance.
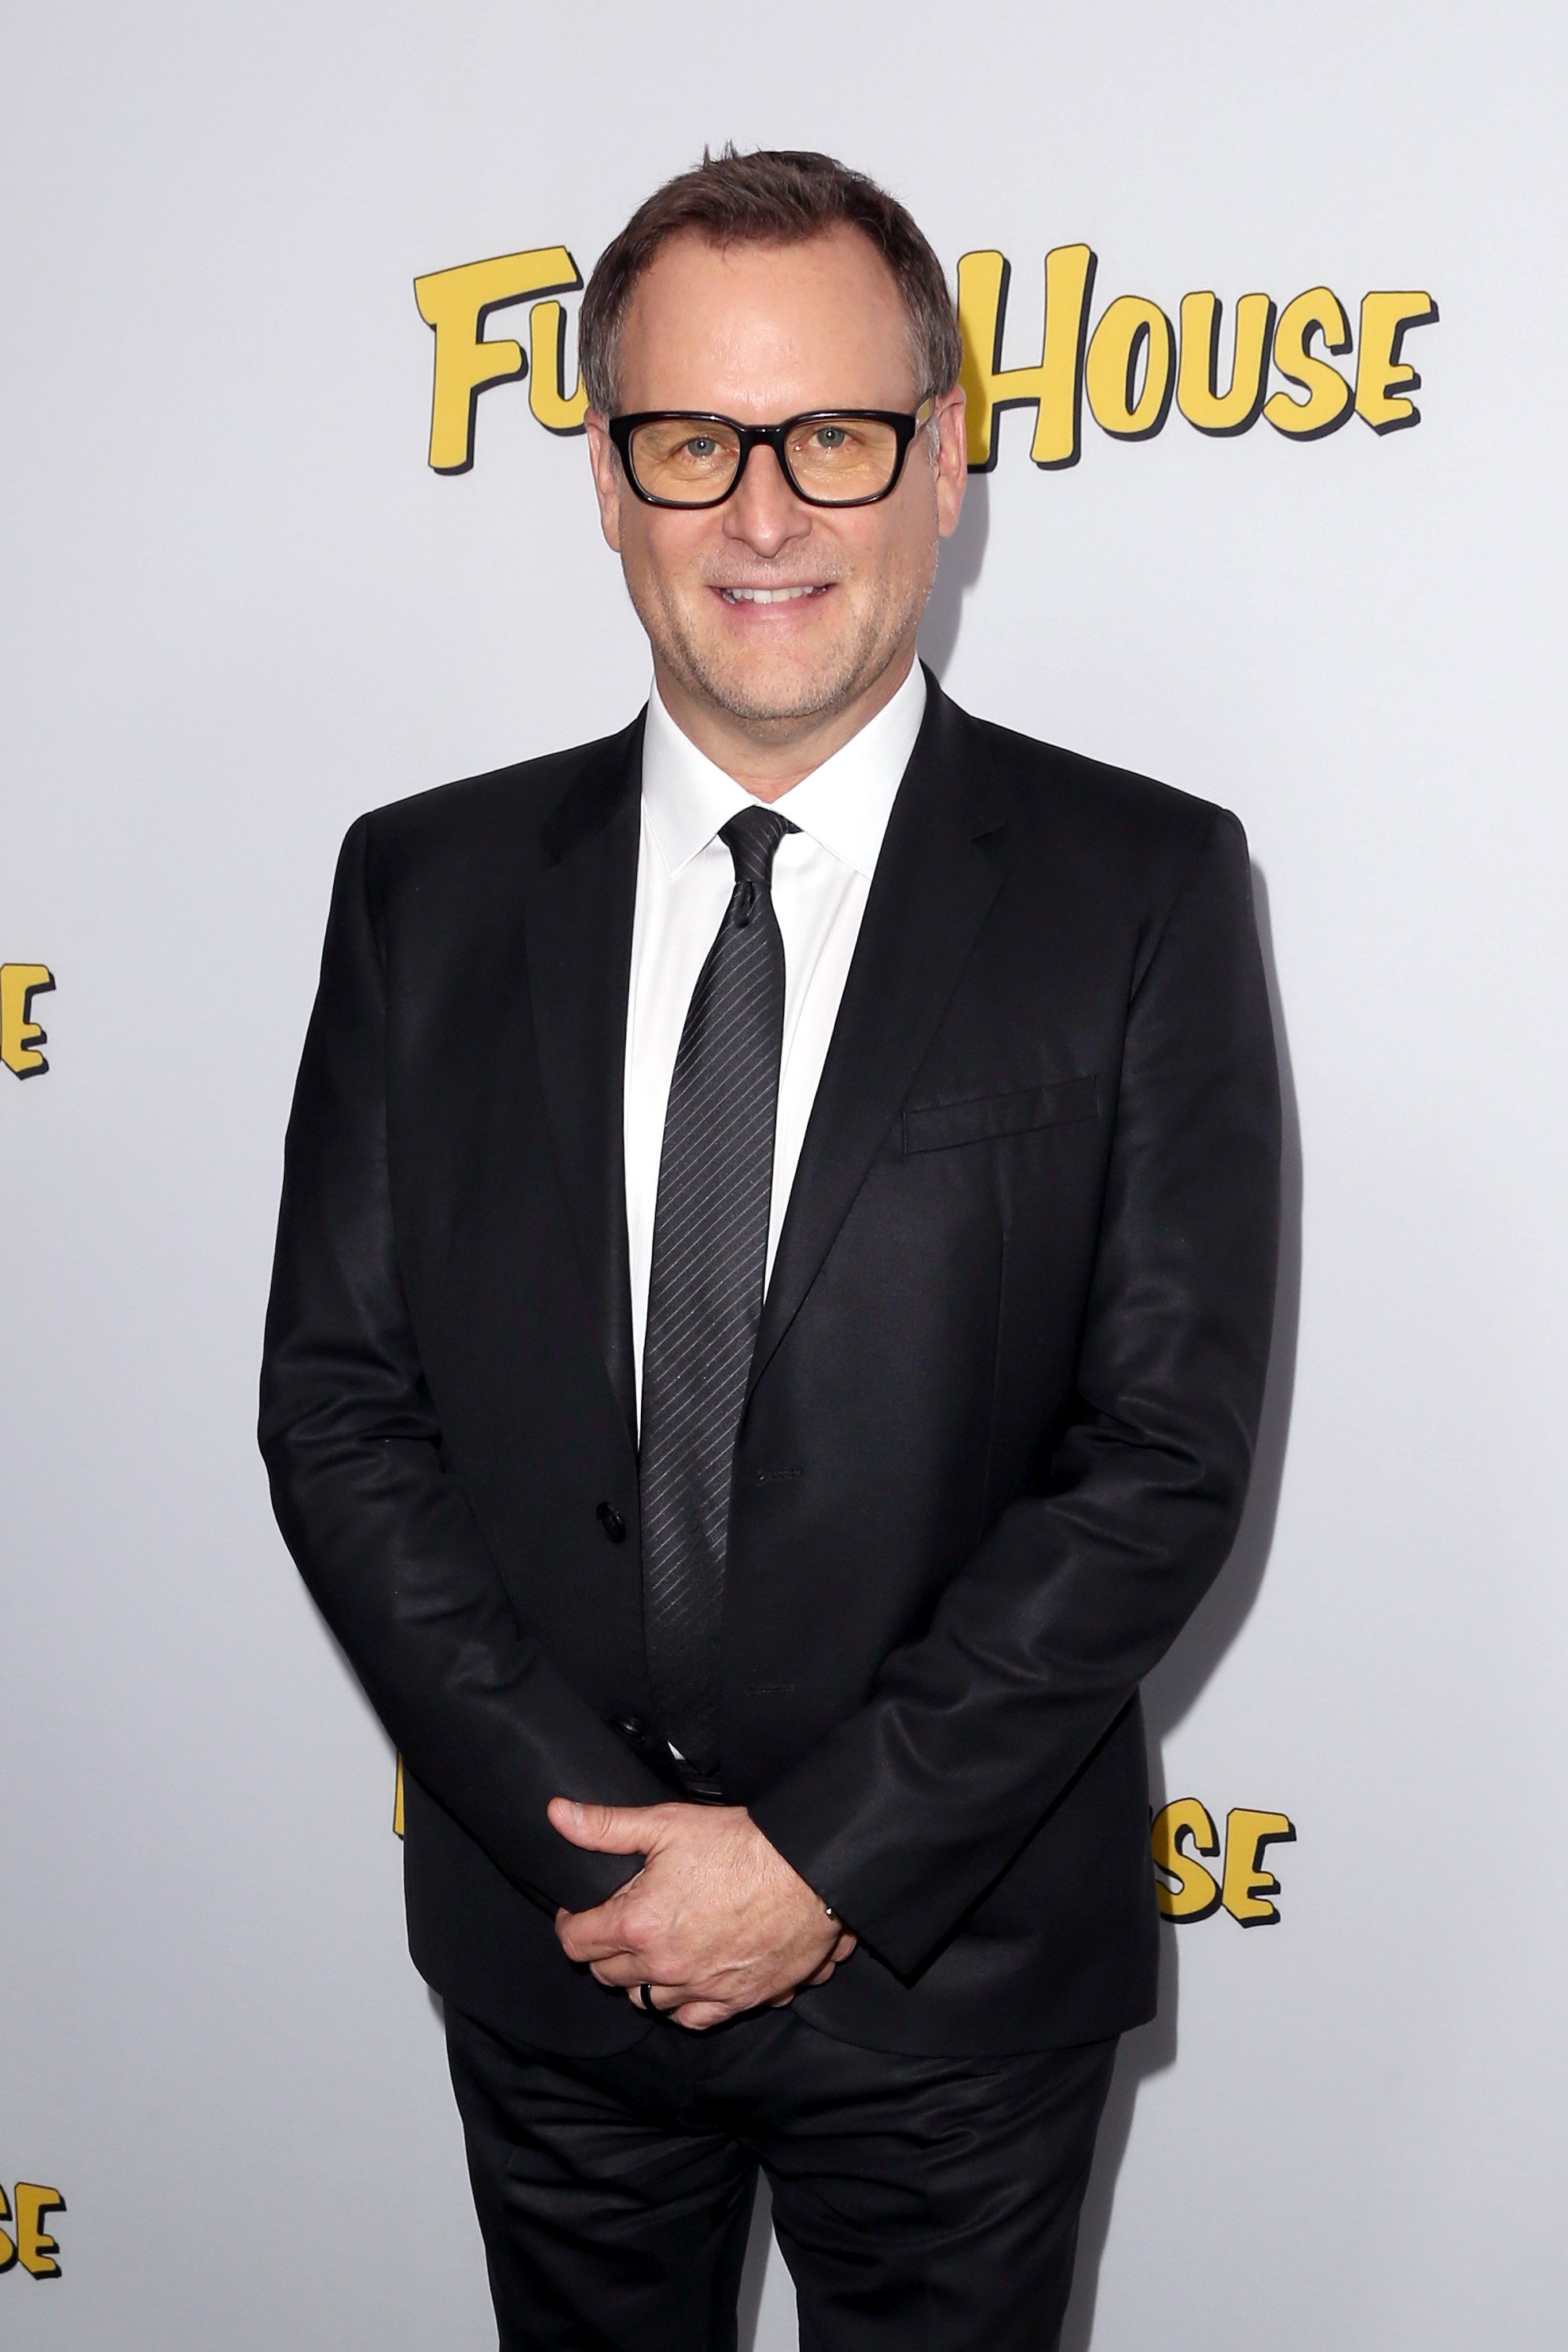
(771, 1311)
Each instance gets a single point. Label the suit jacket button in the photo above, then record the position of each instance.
(610, 1519)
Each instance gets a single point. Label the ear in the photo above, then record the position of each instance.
(607, 483)
(952, 459)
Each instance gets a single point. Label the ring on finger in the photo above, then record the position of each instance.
(645, 1999)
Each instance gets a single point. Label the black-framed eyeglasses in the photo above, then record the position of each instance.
(829, 457)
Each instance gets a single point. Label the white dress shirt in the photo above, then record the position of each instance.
(821, 879)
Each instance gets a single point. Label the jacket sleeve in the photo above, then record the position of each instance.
(911, 1807)
(381, 1529)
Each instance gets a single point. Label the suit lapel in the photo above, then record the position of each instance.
(580, 904)
(932, 891)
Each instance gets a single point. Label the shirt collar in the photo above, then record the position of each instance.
(845, 805)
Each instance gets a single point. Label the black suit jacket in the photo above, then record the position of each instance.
(1000, 1419)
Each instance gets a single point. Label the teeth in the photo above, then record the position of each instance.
(766, 595)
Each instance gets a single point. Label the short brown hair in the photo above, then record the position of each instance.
(775, 196)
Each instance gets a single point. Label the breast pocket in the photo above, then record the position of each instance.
(980, 1118)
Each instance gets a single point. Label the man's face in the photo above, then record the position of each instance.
(759, 333)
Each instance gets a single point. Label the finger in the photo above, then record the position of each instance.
(603, 1828)
(822, 1973)
(624, 1970)
(589, 1935)
(701, 2016)
(841, 1950)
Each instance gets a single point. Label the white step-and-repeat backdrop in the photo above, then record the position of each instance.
(1266, 329)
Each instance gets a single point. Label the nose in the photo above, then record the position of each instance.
(765, 513)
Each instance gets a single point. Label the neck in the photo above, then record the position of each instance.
(767, 757)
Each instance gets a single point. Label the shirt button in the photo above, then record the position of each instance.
(610, 1519)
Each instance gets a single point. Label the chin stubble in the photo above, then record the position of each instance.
(836, 684)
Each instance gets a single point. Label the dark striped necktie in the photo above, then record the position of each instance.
(705, 1290)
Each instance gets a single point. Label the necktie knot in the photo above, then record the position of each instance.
(751, 838)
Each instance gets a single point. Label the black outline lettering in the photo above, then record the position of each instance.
(1060, 464)
(42, 2262)
(994, 447)
(1261, 1885)
(536, 355)
(1429, 317)
(486, 383)
(987, 464)
(25, 1045)
(1211, 372)
(481, 320)
(1179, 1831)
(1141, 345)
(1314, 325)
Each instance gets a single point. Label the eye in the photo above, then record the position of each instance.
(830, 436)
(700, 445)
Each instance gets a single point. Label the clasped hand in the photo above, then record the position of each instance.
(716, 1921)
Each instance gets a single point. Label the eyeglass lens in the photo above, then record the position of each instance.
(691, 459)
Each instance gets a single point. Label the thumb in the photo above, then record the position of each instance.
(603, 1828)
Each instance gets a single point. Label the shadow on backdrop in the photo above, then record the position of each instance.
(756, 2264)
(1178, 1680)
(958, 569)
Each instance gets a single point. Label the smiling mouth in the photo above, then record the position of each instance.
(773, 595)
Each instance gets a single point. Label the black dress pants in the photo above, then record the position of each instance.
(922, 2204)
